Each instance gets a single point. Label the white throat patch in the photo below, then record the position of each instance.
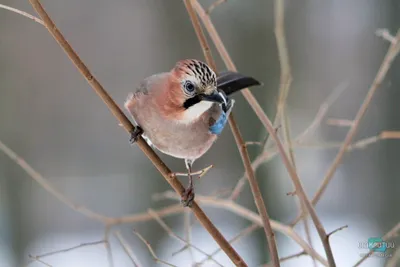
(196, 111)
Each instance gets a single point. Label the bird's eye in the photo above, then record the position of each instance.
(189, 87)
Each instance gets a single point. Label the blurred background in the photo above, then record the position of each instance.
(51, 117)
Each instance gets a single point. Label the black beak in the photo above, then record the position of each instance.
(231, 82)
(216, 96)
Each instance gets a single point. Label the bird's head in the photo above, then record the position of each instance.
(195, 88)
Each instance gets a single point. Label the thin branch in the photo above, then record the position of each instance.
(107, 246)
(242, 234)
(124, 121)
(385, 34)
(384, 68)
(39, 260)
(188, 232)
(389, 235)
(48, 254)
(180, 239)
(128, 250)
(153, 254)
(251, 216)
(22, 13)
(339, 122)
(214, 5)
(337, 230)
(240, 143)
(43, 183)
(301, 253)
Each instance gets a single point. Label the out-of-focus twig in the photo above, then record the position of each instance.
(180, 239)
(296, 255)
(337, 230)
(87, 244)
(128, 250)
(255, 189)
(151, 250)
(107, 246)
(214, 5)
(385, 34)
(22, 13)
(339, 122)
(242, 234)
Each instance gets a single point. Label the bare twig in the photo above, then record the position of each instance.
(337, 230)
(301, 253)
(385, 34)
(43, 183)
(128, 250)
(107, 246)
(214, 5)
(187, 222)
(153, 254)
(48, 254)
(22, 13)
(387, 62)
(242, 234)
(240, 143)
(389, 235)
(180, 239)
(39, 260)
(339, 122)
(113, 107)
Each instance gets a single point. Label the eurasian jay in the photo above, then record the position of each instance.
(182, 112)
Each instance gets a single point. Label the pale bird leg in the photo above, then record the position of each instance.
(188, 195)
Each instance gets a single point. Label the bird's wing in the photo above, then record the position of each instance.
(231, 82)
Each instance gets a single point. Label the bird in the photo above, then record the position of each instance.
(182, 112)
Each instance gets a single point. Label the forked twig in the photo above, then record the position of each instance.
(180, 239)
(151, 250)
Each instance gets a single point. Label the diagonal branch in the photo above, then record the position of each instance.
(240, 143)
(271, 130)
(120, 116)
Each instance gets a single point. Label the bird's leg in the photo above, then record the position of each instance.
(188, 195)
(135, 134)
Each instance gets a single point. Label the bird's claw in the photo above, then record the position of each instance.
(188, 197)
(135, 134)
